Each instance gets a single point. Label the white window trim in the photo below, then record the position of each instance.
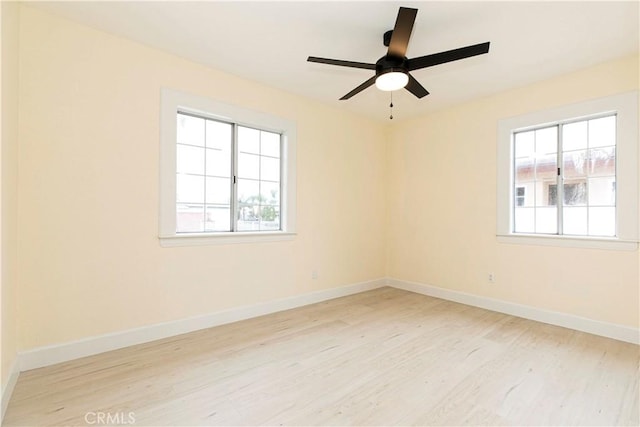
(625, 105)
(171, 101)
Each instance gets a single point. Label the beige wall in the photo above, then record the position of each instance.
(442, 208)
(8, 179)
(90, 261)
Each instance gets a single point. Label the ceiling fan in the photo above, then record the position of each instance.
(392, 70)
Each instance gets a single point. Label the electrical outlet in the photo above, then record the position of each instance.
(491, 278)
(314, 274)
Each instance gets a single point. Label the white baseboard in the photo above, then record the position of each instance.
(595, 327)
(57, 353)
(7, 390)
(50, 355)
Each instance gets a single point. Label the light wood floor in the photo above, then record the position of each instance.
(384, 357)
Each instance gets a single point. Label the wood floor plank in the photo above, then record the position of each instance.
(384, 357)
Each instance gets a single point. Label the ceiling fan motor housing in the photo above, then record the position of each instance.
(388, 64)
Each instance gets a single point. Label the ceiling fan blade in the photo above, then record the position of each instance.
(341, 63)
(402, 32)
(416, 88)
(447, 56)
(360, 88)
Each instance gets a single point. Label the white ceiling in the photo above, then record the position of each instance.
(269, 42)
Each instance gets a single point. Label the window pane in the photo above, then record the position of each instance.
(219, 135)
(540, 192)
(189, 159)
(218, 162)
(592, 178)
(602, 132)
(524, 182)
(270, 169)
(270, 218)
(574, 163)
(217, 218)
(270, 144)
(574, 221)
(189, 188)
(248, 192)
(269, 193)
(249, 218)
(536, 177)
(547, 193)
(602, 221)
(602, 191)
(602, 161)
(218, 191)
(524, 145)
(574, 136)
(524, 170)
(524, 221)
(547, 140)
(248, 140)
(190, 130)
(547, 167)
(189, 218)
(575, 193)
(248, 166)
(547, 220)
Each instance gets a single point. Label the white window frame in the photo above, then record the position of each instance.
(625, 106)
(173, 101)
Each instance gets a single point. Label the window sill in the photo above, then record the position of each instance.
(570, 242)
(224, 238)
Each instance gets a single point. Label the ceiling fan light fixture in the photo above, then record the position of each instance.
(393, 80)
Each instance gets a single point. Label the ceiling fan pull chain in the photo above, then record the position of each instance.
(391, 107)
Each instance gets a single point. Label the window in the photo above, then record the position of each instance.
(579, 157)
(227, 174)
(569, 176)
(216, 193)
